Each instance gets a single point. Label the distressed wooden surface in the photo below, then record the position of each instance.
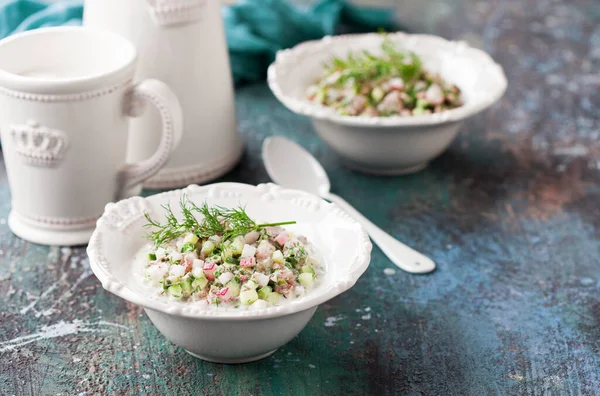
(511, 214)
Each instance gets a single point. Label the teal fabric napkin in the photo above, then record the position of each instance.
(256, 29)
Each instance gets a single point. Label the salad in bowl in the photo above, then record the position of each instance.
(219, 265)
(226, 259)
(386, 104)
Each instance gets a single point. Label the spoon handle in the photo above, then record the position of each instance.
(403, 256)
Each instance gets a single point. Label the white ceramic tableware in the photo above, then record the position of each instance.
(66, 95)
(291, 166)
(181, 42)
(214, 333)
(388, 145)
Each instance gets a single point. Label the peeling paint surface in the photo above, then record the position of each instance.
(511, 215)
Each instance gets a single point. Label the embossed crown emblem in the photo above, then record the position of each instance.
(38, 145)
(175, 12)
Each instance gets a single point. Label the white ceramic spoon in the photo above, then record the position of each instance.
(289, 165)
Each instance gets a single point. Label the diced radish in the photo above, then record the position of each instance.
(391, 103)
(198, 272)
(264, 250)
(157, 272)
(198, 263)
(357, 104)
(434, 94)
(175, 256)
(300, 291)
(396, 84)
(209, 270)
(177, 270)
(225, 277)
(282, 238)
(274, 231)
(332, 78)
(224, 294)
(160, 253)
(247, 262)
(261, 279)
(248, 251)
(251, 237)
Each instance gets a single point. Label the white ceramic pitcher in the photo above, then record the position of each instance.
(182, 43)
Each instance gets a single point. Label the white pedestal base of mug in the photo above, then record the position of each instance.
(169, 178)
(44, 234)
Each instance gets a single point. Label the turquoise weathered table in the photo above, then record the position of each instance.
(511, 215)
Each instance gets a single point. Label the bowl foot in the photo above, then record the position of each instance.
(387, 171)
(234, 360)
(55, 235)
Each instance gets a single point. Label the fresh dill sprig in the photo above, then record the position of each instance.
(359, 68)
(216, 220)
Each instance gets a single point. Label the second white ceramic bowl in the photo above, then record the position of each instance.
(230, 336)
(391, 145)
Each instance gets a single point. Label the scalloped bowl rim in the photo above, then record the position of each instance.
(317, 297)
(285, 59)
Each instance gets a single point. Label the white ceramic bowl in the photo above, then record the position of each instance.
(231, 336)
(392, 145)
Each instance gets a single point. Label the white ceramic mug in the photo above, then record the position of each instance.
(66, 95)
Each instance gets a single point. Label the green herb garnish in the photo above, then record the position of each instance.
(364, 67)
(215, 220)
(389, 82)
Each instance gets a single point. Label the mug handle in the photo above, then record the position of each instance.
(162, 97)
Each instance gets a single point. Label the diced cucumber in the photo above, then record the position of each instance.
(277, 257)
(234, 286)
(237, 246)
(188, 247)
(191, 238)
(264, 292)
(273, 298)
(248, 297)
(320, 95)
(215, 239)
(175, 291)
(207, 248)
(186, 286)
(232, 260)
(306, 279)
(377, 94)
(251, 284)
(199, 283)
(421, 104)
(151, 256)
(312, 260)
(307, 269)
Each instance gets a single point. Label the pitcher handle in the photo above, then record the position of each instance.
(162, 97)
